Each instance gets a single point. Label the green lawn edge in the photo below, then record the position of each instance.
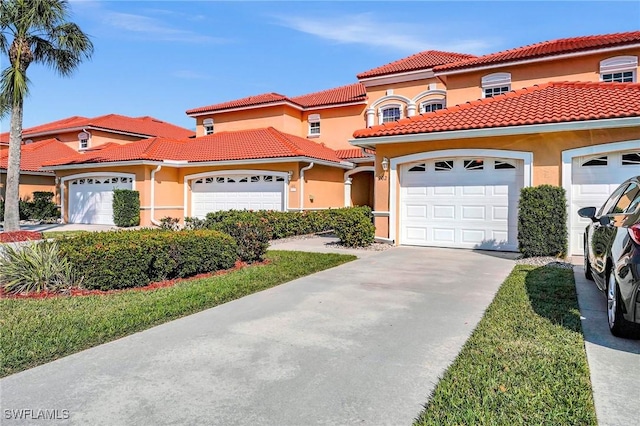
(34, 332)
(525, 363)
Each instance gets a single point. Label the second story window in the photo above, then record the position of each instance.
(390, 113)
(431, 106)
(83, 140)
(496, 84)
(314, 125)
(208, 126)
(620, 69)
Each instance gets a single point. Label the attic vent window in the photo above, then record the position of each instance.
(496, 84)
(620, 69)
(208, 126)
(314, 125)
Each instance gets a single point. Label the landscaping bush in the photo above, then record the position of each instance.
(252, 237)
(170, 223)
(113, 260)
(43, 207)
(126, 208)
(354, 226)
(542, 221)
(35, 267)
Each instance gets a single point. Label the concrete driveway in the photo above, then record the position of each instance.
(363, 343)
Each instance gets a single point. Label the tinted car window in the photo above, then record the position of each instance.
(635, 203)
(626, 199)
(607, 208)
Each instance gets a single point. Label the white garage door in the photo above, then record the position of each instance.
(237, 192)
(461, 202)
(593, 179)
(90, 199)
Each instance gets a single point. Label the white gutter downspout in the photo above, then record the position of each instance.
(153, 195)
(302, 170)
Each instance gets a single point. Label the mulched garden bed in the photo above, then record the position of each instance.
(73, 292)
(17, 236)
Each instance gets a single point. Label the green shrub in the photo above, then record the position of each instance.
(126, 208)
(35, 267)
(354, 227)
(25, 208)
(252, 237)
(170, 223)
(43, 207)
(542, 221)
(123, 259)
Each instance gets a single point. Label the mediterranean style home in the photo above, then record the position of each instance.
(439, 144)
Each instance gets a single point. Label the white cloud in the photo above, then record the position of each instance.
(365, 29)
(190, 75)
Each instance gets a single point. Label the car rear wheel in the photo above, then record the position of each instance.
(617, 324)
(587, 265)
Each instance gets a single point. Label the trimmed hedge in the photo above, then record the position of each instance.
(126, 208)
(41, 208)
(353, 225)
(122, 259)
(542, 221)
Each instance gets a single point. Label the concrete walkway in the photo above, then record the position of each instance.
(614, 362)
(363, 343)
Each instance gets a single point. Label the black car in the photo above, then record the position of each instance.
(612, 255)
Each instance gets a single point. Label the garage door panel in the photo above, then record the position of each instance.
(465, 208)
(91, 202)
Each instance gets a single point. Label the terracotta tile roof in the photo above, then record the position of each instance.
(338, 95)
(353, 153)
(34, 155)
(419, 61)
(146, 126)
(546, 48)
(265, 98)
(546, 103)
(223, 146)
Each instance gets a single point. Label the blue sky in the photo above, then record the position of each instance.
(161, 58)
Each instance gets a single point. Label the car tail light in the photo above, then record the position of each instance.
(634, 233)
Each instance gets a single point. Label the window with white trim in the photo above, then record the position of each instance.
(314, 125)
(390, 113)
(83, 140)
(620, 69)
(431, 105)
(208, 126)
(496, 84)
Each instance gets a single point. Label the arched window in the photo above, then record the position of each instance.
(390, 113)
(620, 69)
(496, 84)
(208, 126)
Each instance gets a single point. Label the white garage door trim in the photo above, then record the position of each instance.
(64, 180)
(526, 157)
(189, 179)
(567, 171)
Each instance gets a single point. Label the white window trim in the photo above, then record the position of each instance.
(313, 119)
(423, 104)
(208, 126)
(492, 81)
(386, 107)
(618, 64)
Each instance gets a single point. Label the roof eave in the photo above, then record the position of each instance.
(372, 141)
(398, 77)
(534, 60)
(261, 105)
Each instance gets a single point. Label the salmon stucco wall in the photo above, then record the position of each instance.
(29, 184)
(281, 117)
(465, 87)
(98, 137)
(336, 125)
(323, 187)
(546, 149)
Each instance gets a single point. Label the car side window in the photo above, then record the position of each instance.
(626, 199)
(608, 206)
(635, 202)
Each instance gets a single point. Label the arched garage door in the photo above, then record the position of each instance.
(91, 198)
(461, 203)
(593, 179)
(237, 192)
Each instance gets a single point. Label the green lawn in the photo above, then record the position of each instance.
(524, 364)
(34, 332)
(61, 234)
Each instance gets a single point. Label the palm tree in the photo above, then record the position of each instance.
(41, 34)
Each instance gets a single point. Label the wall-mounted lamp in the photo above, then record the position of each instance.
(290, 173)
(385, 163)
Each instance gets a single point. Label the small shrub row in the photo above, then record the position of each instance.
(41, 207)
(126, 208)
(353, 225)
(542, 221)
(114, 260)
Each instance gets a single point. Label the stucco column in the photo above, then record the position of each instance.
(347, 192)
(371, 115)
(411, 109)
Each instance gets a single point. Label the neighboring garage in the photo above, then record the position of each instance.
(91, 198)
(461, 202)
(238, 192)
(593, 179)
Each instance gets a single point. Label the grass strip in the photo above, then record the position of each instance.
(34, 332)
(524, 364)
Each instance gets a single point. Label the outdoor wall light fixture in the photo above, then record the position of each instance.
(385, 163)
(290, 173)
